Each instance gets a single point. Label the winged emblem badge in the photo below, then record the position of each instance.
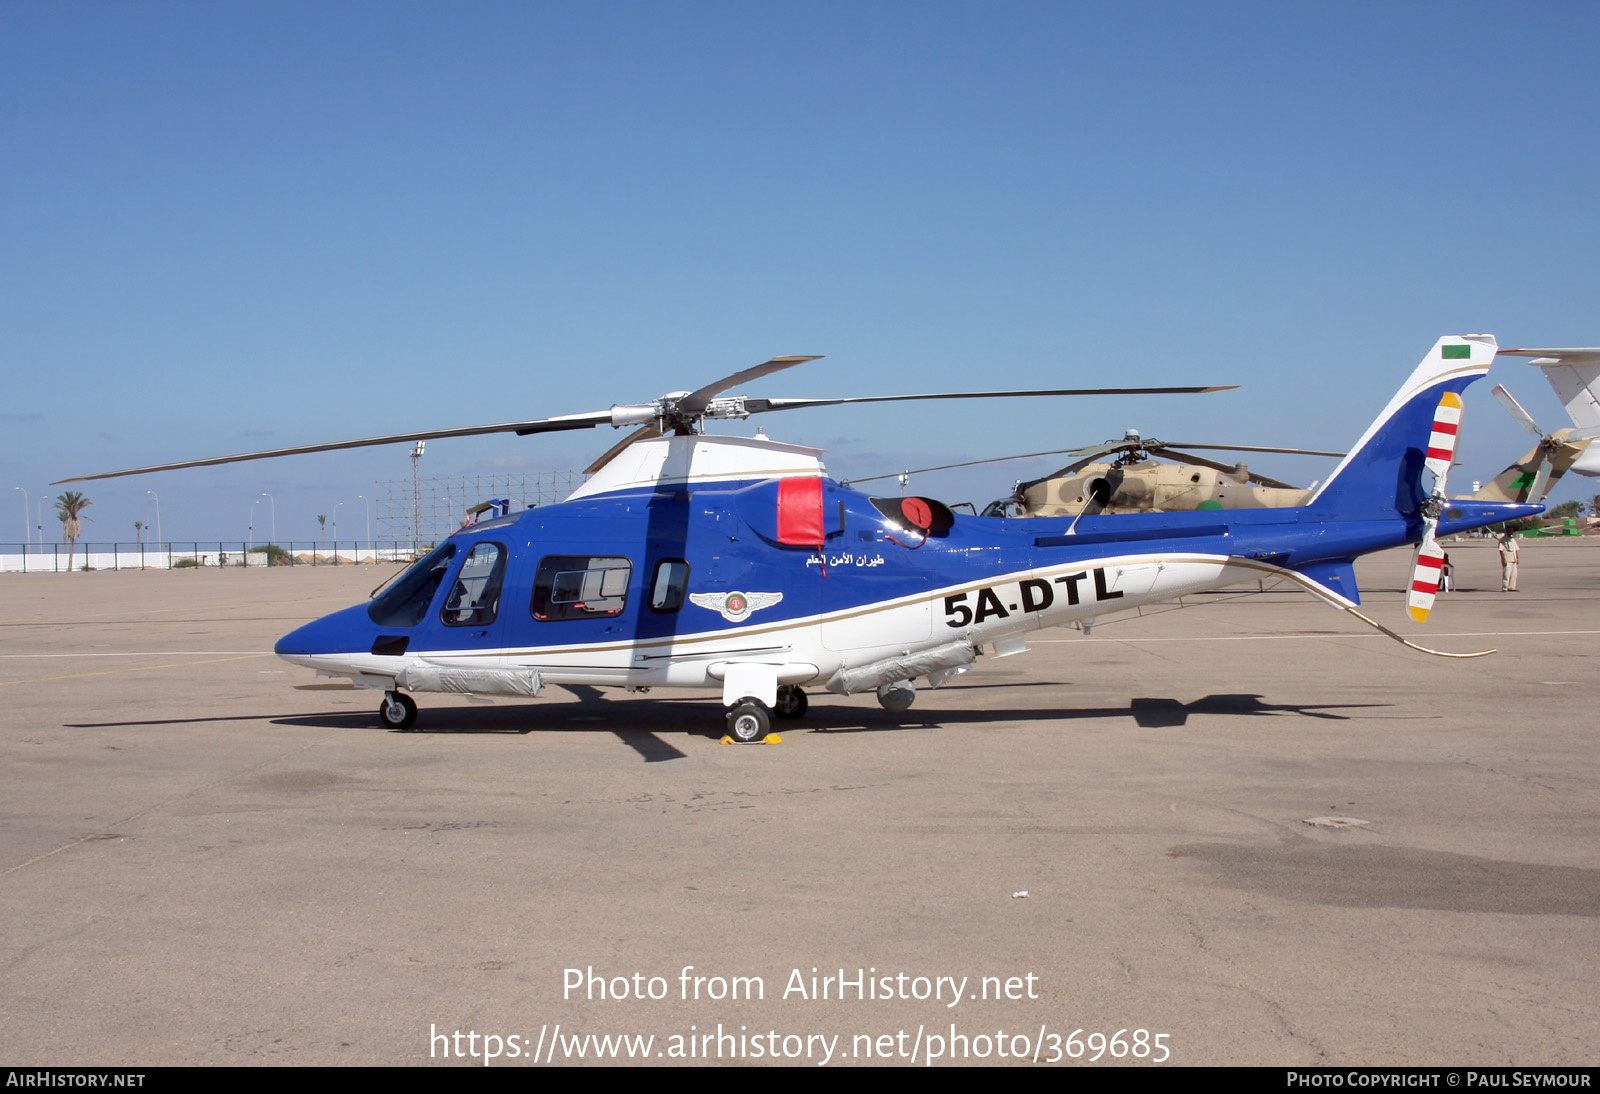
(735, 607)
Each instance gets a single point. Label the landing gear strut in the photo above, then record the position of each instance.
(397, 711)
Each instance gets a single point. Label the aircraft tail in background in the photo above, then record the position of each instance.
(1575, 375)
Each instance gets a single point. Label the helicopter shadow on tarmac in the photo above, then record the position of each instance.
(629, 719)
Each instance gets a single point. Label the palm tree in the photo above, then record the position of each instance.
(70, 507)
(322, 521)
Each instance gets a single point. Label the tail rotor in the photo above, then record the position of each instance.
(1428, 565)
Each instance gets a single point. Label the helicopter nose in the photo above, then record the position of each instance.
(300, 642)
(347, 631)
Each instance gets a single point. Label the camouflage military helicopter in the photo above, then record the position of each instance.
(1533, 476)
(1125, 476)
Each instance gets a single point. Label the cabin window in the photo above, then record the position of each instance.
(580, 587)
(405, 603)
(671, 583)
(474, 598)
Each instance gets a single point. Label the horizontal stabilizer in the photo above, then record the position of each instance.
(1574, 373)
(1338, 576)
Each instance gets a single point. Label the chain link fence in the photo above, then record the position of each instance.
(86, 555)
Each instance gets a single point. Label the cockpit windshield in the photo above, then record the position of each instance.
(405, 603)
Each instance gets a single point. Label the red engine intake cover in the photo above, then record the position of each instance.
(800, 512)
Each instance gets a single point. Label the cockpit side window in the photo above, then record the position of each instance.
(580, 587)
(405, 603)
(474, 598)
(671, 582)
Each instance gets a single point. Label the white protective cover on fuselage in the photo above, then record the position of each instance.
(671, 461)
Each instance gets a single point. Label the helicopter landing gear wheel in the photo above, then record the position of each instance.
(792, 702)
(749, 720)
(398, 711)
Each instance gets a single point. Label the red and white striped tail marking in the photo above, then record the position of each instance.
(1426, 571)
(1442, 441)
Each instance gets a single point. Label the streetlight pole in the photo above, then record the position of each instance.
(274, 505)
(27, 537)
(157, 496)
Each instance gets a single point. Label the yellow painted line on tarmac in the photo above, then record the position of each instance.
(137, 668)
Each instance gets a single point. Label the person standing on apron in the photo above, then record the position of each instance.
(1508, 562)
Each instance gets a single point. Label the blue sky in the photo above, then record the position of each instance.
(246, 225)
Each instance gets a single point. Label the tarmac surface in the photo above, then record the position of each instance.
(210, 857)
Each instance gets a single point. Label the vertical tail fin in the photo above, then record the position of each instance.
(1382, 475)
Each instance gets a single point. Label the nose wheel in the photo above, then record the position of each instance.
(397, 711)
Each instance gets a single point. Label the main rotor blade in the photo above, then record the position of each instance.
(1514, 408)
(695, 402)
(1217, 465)
(1090, 453)
(1086, 456)
(691, 405)
(643, 433)
(1248, 448)
(541, 425)
(965, 463)
(760, 406)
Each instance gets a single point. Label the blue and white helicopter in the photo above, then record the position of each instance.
(694, 561)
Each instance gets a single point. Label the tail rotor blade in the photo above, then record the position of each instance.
(1426, 570)
(1428, 565)
(1442, 441)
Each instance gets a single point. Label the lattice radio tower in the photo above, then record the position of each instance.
(416, 513)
